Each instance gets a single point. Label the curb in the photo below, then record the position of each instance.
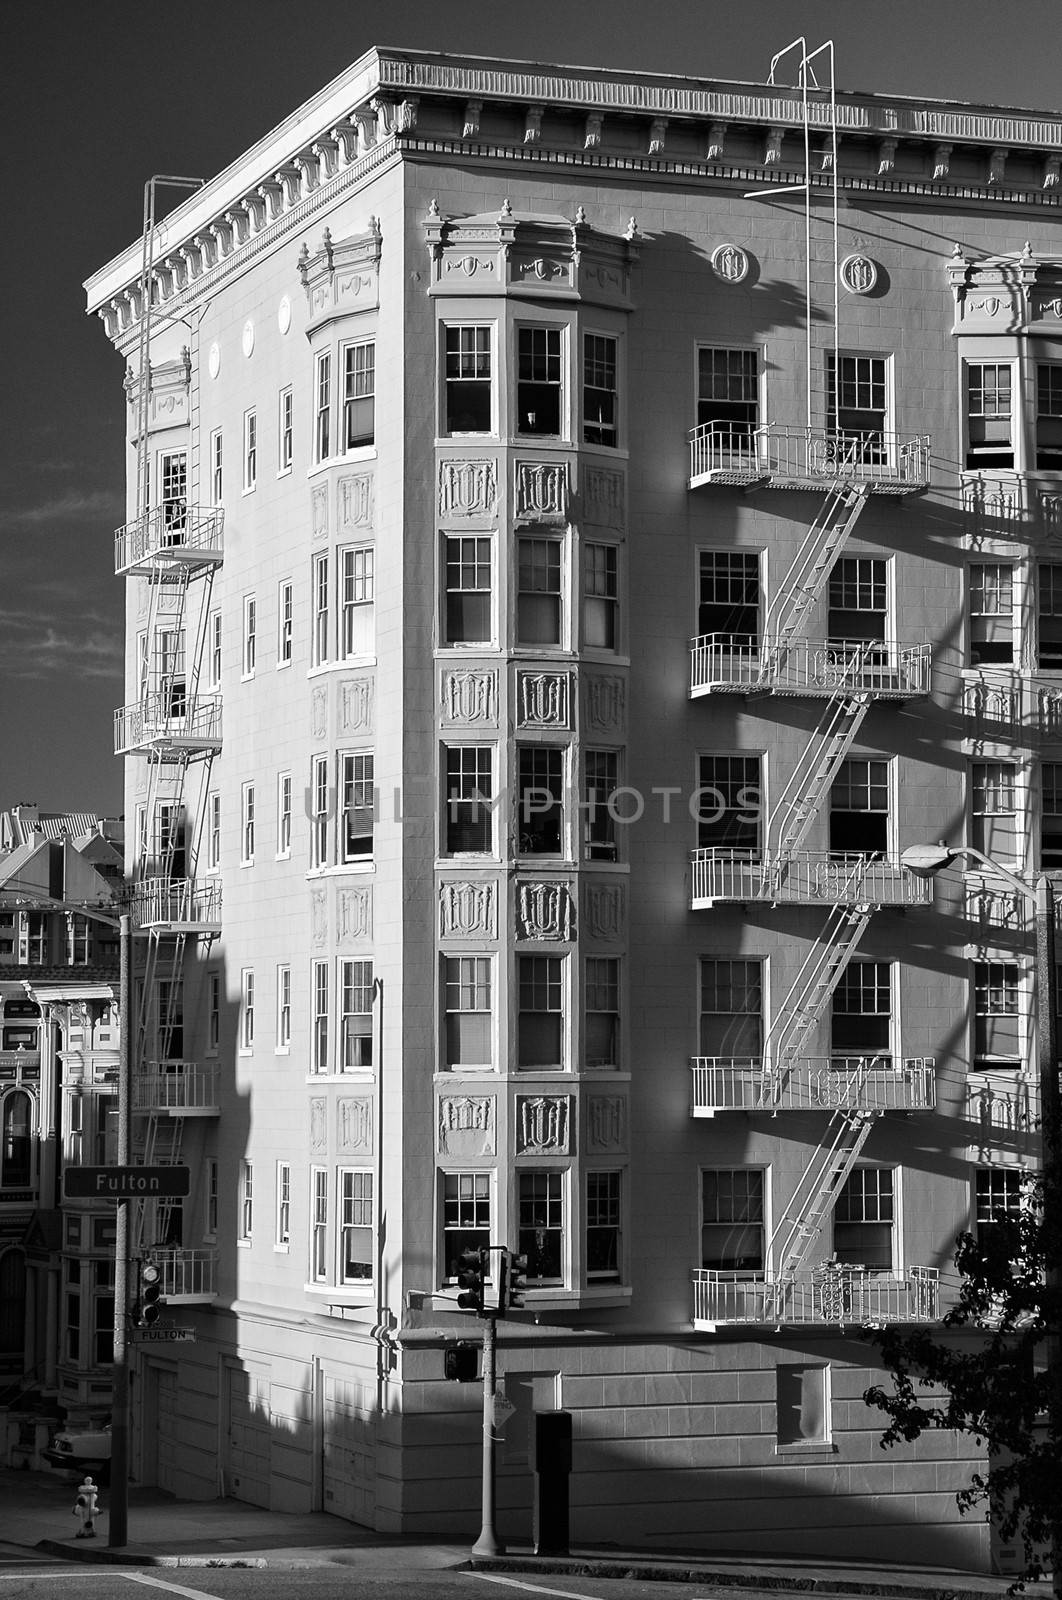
(105, 1556)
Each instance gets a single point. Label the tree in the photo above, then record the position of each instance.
(995, 1379)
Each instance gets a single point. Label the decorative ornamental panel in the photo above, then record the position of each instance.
(318, 1125)
(469, 695)
(542, 699)
(606, 1122)
(730, 263)
(543, 1124)
(467, 1125)
(357, 704)
(354, 914)
(468, 488)
(468, 910)
(354, 1124)
(859, 275)
(319, 711)
(605, 911)
(319, 510)
(544, 911)
(356, 502)
(318, 916)
(541, 490)
(604, 498)
(605, 701)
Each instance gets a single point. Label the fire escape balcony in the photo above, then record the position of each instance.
(176, 905)
(833, 1294)
(804, 878)
(169, 722)
(774, 457)
(822, 1083)
(174, 536)
(177, 1089)
(189, 1277)
(728, 663)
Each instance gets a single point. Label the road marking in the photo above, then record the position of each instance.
(171, 1588)
(535, 1588)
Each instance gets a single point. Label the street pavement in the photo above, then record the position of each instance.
(36, 1520)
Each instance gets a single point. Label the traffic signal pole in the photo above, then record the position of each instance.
(118, 1520)
(488, 1543)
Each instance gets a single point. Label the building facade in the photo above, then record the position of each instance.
(476, 903)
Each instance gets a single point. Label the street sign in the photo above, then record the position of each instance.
(126, 1183)
(162, 1335)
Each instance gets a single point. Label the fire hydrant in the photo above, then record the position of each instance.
(86, 1507)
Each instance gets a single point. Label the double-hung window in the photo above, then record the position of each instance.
(601, 781)
(732, 1220)
(728, 397)
(468, 379)
(321, 804)
(541, 1226)
(284, 430)
(601, 1011)
(468, 800)
(989, 414)
(541, 799)
(859, 604)
(320, 590)
(355, 1037)
(319, 986)
(998, 1197)
(600, 389)
(214, 832)
(863, 1220)
(285, 622)
(994, 811)
(359, 394)
(603, 1255)
(859, 808)
(283, 1219)
(358, 799)
(247, 1010)
(214, 633)
(600, 596)
(356, 624)
(357, 1233)
(467, 1004)
(322, 431)
(539, 381)
(173, 472)
(857, 399)
(541, 1010)
(731, 1010)
(729, 805)
(250, 450)
(246, 1202)
(991, 601)
(861, 1015)
(539, 610)
(997, 1016)
(283, 815)
(250, 635)
(247, 843)
(1049, 416)
(319, 1225)
(283, 1044)
(467, 595)
(213, 1013)
(465, 1216)
(1051, 816)
(728, 598)
(1049, 616)
(217, 458)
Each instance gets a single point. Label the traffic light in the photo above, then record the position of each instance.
(149, 1307)
(460, 1362)
(470, 1265)
(515, 1282)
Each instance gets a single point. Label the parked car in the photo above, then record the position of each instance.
(88, 1452)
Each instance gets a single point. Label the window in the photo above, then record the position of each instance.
(728, 599)
(600, 389)
(858, 601)
(541, 1226)
(319, 981)
(732, 1220)
(173, 486)
(1049, 416)
(997, 1018)
(998, 1196)
(728, 804)
(318, 1224)
(728, 399)
(541, 799)
(859, 808)
(216, 465)
(355, 1020)
(16, 1143)
(356, 623)
(285, 622)
(539, 380)
(210, 1217)
(857, 403)
(994, 808)
(319, 653)
(250, 634)
(600, 596)
(169, 841)
(246, 1202)
(283, 1008)
(466, 1216)
(359, 394)
(247, 1009)
(469, 799)
(214, 629)
(358, 805)
(214, 832)
(284, 427)
(213, 1012)
(540, 1021)
(321, 802)
(283, 815)
(601, 996)
(731, 1009)
(989, 436)
(250, 450)
(356, 1229)
(468, 1013)
(601, 780)
(863, 1220)
(247, 812)
(1051, 816)
(468, 380)
(602, 1226)
(322, 433)
(1049, 617)
(538, 596)
(861, 1013)
(468, 591)
(170, 680)
(991, 595)
(169, 1019)
(802, 1404)
(283, 1233)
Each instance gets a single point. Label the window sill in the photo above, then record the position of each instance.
(358, 868)
(285, 472)
(806, 1447)
(361, 452)
(281, 1249)
(243, 1244)
(344, 663)
(248, 862)
(282, 1050)
(246, 677)
(342, 1293)
(249, 490)
(281, 665)
(282, 855)
(362, 1075)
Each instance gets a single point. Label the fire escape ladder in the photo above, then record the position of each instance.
(803, 1007)
(813, 774)
(817, 1189)
(806, 578)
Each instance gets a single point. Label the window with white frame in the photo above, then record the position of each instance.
(358, 804)
(245, 1202)
(990, 595)
(247, 830)
(283, 1044)
(600, 597)
(357, 1233)
(859, 807)
(541, 1012)
(169, 669)
(467, 593)
(322, 431)
(601, 1011)
(732, 1220)
(466, 1217)
(861, 1014)
(731, 1010)
(468, 379)
(728, 395)
(989, 414)
(994, 811)
(540, 797)
(1049, 416)
(210, 1200)
(600, 783)
(469, 799)
(357, 631)
(250, 450)
(604, 1257)
(283, 1220)
(285, 414)
(1051, 816)
(17, 1145)
(169, 839)
(998, 1039)
(214, 832)
(859, 603)
(247, 1010)
(319, 1225)
(468, 1013)
(864, 1220)
(359, 394)
(540, 381)
(217, 458)
(250, 634)
(285, 622)
(213, 1013)
(539, 591)
(173, 493)
(283, 815)
(541, 1226)
(355, 1017)
(729, 815)
(319, 987)
(214, 650)
(857, 404)
(728, 596)
(1049, 616)
(802, 1403)
(320, 811)
(320, 590)
(600, 389)
(169, 1019)
(999, 1194)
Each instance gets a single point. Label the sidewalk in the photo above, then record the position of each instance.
(35, 1512)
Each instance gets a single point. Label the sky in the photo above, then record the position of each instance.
(101, 94)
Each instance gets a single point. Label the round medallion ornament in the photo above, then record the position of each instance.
(214, 359)
(284, 314)
(858, 274)
(730, 263)
(247, 341)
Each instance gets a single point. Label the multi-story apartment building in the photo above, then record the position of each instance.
(479, 907)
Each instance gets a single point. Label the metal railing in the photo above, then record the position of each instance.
(161, 902)
(742, 662)
(187, 1274)
(176, 1086)
(168, 718)
(735, 453)
(833, 1294)
(805, 877)
(863, 1083)
(172, 529)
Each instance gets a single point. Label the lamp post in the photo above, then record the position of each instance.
(927, 860)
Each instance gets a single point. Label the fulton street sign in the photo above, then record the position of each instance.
(126, 1183)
